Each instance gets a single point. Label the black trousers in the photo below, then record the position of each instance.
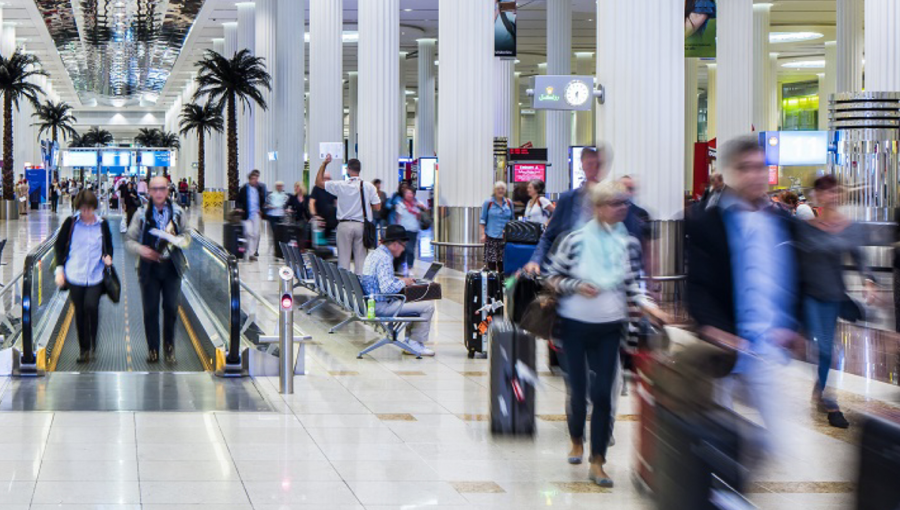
(129, 213)
(160, 280)
(87, 313)
(592, 359)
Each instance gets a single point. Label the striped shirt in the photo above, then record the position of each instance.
(563, 267)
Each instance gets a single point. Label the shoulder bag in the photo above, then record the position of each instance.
(112, 286)
(370, 233)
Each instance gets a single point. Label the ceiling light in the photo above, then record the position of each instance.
(347, 36)
(407, 10)
(789, 37)
(805, 64)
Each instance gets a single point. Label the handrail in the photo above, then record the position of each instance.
(234, 331)
(36, 254)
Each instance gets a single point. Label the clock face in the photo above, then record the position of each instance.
(577, 93)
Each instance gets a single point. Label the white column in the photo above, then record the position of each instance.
(465, 127)
(246, 39)
(761, 65)
(379, 43)
(353, 138)
(403, 143)
(266, 16)
(827, 83)
(634, 94)
(882, 45)
(290, 90)
(230, 43)
(326, 92)
(503, 97)
(514, 141)
(559, 62)
(774, 93)
(734, 54)
(426, 108)
(691, 115)
(8, 38)
(711, 100)
(215, 144)
(584, 121)
(850, 42)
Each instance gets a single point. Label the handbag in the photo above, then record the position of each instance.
(423, 292)
(370, 232)
(112, 286)
(851, 311)
(540, 315)
(425, 220)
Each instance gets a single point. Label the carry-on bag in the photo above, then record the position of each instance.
(483, 299)
(513, 379)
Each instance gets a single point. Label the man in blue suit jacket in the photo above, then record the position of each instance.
(574, 207)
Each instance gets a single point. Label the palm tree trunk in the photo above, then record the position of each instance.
(232, 149)
(201, 164)
(54, 135)
(8, 170)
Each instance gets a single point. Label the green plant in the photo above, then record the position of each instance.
(225, 82)
(16, 84)
(203, 120)
(56, 118)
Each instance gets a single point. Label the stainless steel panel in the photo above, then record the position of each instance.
(866, 96)
(458, 225)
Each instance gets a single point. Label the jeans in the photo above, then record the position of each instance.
(820, 318)
(591, 348)
(160, 279)
(86, 301)
(409, 254)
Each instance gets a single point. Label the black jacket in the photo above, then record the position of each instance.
(65, 237)
(301, 209)
(242, 200)
(710, 281)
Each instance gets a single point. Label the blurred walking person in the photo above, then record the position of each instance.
(158, 274)
(595, 271)
(83, 248)
(251, 202)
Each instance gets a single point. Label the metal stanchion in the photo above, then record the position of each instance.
(286, 332)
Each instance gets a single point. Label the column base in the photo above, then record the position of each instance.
(457, 242)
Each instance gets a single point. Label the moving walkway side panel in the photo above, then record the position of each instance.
(39, 293)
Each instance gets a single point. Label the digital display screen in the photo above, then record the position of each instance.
(525, 173)
(427, 171)
(526, 154)
(79, 158)
(156, 158)
(116, 158)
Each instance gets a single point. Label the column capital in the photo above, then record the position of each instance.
(830, 43)
(227, 24)
(762, 7)
(584, 54)
(426, 40)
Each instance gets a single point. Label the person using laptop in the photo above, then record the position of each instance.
(378, 278)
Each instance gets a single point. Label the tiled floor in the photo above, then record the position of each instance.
(385, 432)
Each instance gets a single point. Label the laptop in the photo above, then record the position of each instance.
(431, 273)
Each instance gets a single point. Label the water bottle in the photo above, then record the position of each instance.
(370, 308)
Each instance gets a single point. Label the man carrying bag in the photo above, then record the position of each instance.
(356, 199)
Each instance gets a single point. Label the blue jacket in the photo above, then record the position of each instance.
(566, 217)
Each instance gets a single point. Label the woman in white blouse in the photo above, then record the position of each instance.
(539, 208)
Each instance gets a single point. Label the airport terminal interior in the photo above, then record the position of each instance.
(252, 348)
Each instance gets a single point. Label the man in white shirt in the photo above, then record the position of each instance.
(350, 213)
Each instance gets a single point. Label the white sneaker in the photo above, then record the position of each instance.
(419, 346)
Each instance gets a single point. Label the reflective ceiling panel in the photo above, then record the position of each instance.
(119, 52)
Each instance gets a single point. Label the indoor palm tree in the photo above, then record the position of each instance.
(56, 118)
(97, 137)
(16, 83)
(203, 120)
(147, 137)
(225, 82)
(77, 141)
(168, 140)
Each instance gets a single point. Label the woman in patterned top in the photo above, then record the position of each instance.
(595, 273)
(696, 14)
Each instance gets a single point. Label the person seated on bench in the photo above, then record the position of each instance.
(378, 278)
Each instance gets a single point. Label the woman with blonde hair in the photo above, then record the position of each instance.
(496, 212)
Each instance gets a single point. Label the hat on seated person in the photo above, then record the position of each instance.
(394, 233)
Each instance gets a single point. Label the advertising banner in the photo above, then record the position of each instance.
(526, 173)
(700, 28)
(504, 29)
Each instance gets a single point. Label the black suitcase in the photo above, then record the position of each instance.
(523, 232)
(287, 233)
(698, 459)
(524, 291)
(513, 379)
(879, 466)
(481, 288)
(233, 239)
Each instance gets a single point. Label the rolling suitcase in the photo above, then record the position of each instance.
(523, 232)
(515, 256)
(483, 288)
(879, 466)
(524, 291)
(287, 233)
(513, 380)
(233, 239)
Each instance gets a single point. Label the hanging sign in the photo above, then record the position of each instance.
(504, 29)
(563, 92)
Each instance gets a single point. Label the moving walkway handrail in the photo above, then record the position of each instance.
(35, 255)
(234, 284)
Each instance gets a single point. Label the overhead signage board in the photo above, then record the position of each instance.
(115, 158)
(526, 154)
(155, 158)
(79, 158)
(795, 148)
(563, 92)
(504, 28)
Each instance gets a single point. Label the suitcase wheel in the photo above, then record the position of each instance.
(471, 354)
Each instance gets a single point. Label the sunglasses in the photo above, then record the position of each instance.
(157, 188)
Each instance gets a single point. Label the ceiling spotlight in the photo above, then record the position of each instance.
(805, 64)
(789, 37)
(407, 10)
